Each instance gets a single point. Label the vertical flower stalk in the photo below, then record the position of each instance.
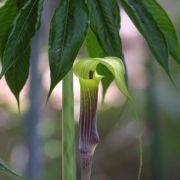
(68, 129)
(88, 134)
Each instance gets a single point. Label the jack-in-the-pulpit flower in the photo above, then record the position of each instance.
(86, 71)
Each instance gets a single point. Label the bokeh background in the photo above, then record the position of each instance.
(30, 141)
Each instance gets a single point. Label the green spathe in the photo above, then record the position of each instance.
(115, 65)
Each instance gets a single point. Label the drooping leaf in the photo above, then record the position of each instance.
(4, 168)
(67, 33)
(8, 11)
(16, 52)
(7, 15)
(165, 25)
(147, 26)
(116, 66)
(24, 27)
(17, 75)
(104, 22)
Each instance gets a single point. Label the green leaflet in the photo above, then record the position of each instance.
(24, 27)
(146, 24)
(16, 52)
(67, 33)
(4, 168)
(93, 46)
(104, 22)
(17, 75)
(7, 13)
(165, 25)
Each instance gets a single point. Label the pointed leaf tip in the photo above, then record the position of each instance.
(15, 50)
(49, 95)
(66, 38)
(1, 75)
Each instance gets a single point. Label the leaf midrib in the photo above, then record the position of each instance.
(102, 15)
(64, 35)
(23, 49)
(65, 29)
(22, 27)
(27, 18)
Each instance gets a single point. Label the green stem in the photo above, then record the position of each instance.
(68, 129)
